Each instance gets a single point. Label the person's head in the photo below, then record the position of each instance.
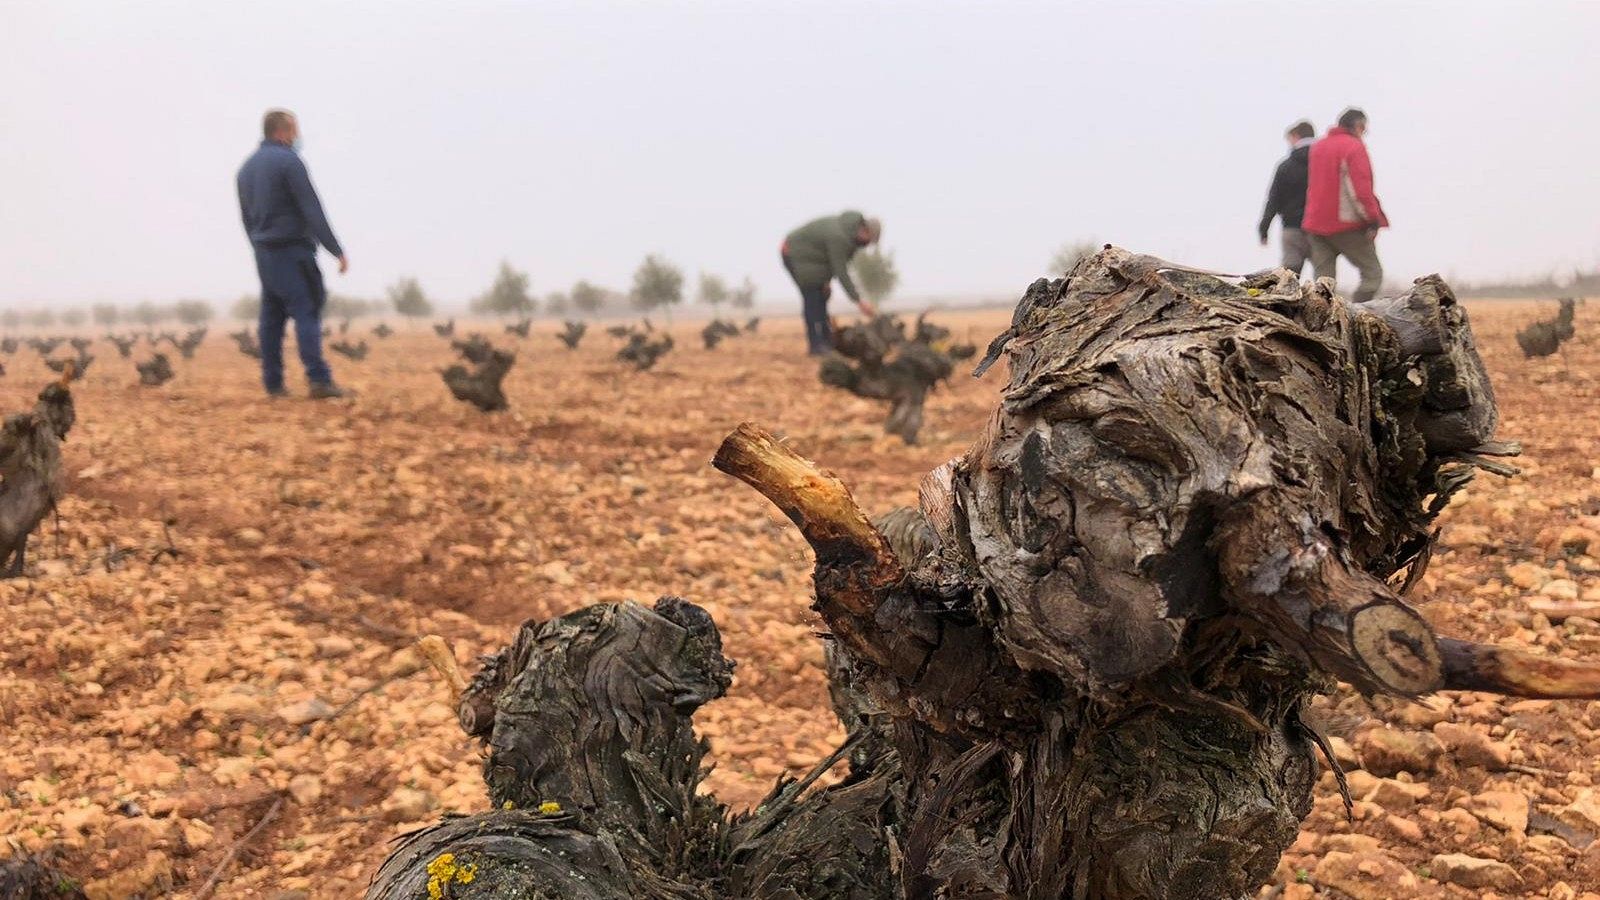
(281, 126)
(1299, 131)
(869, 232)
(1354, 121)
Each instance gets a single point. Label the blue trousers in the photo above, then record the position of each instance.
(291, 288)
(814, 310)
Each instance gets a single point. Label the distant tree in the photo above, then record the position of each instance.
(106, 314)
(247, 307)
(508, 296)
(876, 274)
(192, 312)
(10, 319)
(588, 298)
(408, 300)
(743, 296)
(149, 314)
(713, 291)
(42, 318)
(1069, 254)
(557, 304)
(340, 306)
(657, 284)
(73, 317)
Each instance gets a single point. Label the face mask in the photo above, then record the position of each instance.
(297, 144)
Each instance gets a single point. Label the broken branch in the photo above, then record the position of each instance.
(1471, 666)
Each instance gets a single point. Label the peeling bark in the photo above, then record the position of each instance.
(30, 470)
(1078, 669)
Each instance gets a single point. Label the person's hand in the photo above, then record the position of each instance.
(344, 264)
(867, 309)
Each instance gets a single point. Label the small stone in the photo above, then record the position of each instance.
(1583, 813)
(407, 805)
(1471, 747)
(1505, 810)
(335, 645)
(1560, 589)
(249, 537)
(1365, 876)
(152, 878)
(306, 711)
(1387, 751)
(556, 571)
(305, 789)
(1392, 794)
(1526, 575)
(1473, 872)
(1406, 829)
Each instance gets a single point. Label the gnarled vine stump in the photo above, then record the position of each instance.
(1079, 669)
(878, 360)
(30, 469)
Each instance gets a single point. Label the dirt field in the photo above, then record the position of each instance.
(155, 704)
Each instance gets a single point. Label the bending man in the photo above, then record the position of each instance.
(818, 252)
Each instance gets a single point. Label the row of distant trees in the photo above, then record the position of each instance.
(658, 286)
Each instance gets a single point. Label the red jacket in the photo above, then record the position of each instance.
(1339, 193)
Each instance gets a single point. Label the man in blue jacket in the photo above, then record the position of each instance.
(284, 220)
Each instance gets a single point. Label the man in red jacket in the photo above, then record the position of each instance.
(1342, 212)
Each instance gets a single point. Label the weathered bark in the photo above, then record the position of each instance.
(573, 333)
(155, 371)
(480, 385)
(1545, 338)
(642, 351)
(716, 330)
(356, 352)
(188, 343)
(1078, 670)
(246, 341)
(877, 360)
(30, 466)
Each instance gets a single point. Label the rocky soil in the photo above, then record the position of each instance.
(218, 626)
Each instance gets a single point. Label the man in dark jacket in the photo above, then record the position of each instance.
(818, 252)
(1343, 214)
(284, 220)
(1287, 198)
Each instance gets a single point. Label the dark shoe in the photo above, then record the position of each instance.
(278, 393)
(329, 392)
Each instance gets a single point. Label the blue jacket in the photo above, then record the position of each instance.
(278, 203)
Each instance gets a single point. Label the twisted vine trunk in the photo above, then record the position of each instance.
(1078, 669)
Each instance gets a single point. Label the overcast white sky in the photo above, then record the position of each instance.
(573, 138)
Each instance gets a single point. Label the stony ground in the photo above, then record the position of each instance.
(217, 628)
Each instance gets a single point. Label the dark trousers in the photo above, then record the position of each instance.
(291, 288)
(814, 309)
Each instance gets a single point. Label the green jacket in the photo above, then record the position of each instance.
(818, 252)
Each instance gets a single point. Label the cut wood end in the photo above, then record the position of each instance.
(1490, 668)
(437, 653)
(1397, 646)
(816, 501)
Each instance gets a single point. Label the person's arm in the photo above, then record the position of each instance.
(839, 261)
(305, 197)
(1360, 169)
(1275, 195)
(244, 208)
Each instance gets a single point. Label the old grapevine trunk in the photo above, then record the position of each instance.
(1078, 670)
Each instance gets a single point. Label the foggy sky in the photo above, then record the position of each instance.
(573, 138)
